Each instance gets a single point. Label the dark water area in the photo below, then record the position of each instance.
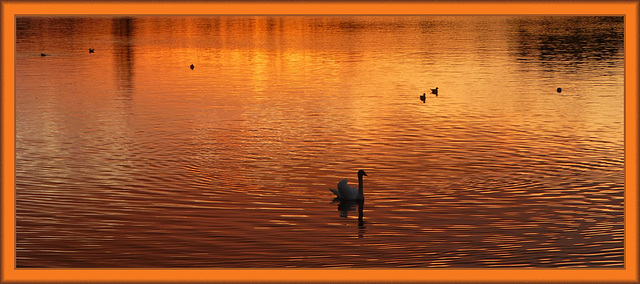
(127, 158)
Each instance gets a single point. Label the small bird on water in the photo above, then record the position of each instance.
(423, 98)
(42, 54)
(91, 50)
(559, 90)
(435, 91)
(192, 67)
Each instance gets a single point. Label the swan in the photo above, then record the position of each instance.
(346, 192)
(435, 91)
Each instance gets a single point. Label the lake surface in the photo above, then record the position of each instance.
(127, 158)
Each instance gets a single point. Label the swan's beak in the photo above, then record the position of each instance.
(364, 174)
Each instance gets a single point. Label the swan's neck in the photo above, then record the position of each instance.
(360, 191)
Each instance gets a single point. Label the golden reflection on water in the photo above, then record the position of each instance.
(128, 158)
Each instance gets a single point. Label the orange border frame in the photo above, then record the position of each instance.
(9, 274)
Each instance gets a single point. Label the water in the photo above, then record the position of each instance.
(127, 158)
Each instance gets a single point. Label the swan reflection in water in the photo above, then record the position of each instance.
(350, 205)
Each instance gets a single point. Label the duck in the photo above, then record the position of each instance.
(559, 90)
(42, 54)
(192, 67)
(423, 98)
(435, 91)
(346, 192)
(91, 50)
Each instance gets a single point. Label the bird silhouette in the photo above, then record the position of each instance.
(91, 50)
(346, 192)
(192, 67)
(435, 91)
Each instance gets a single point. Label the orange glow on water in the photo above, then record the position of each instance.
(273, 93)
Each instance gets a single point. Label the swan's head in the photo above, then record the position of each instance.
(361, 173)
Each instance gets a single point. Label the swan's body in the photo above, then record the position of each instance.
(346, 192)
(435, 91)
